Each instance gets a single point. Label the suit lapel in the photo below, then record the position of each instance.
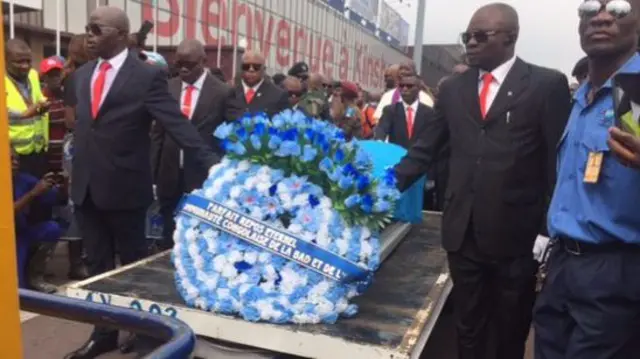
(122, 77)
(85, 86)
(204, 99)
(514, 85)
(402, 122)
(469, 93)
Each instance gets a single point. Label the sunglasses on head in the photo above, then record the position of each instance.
(251, 67)
(481, 36)
(615, 8)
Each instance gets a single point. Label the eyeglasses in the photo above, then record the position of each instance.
(326, 86)
(481, 36)
(251, 67)
(615, 8)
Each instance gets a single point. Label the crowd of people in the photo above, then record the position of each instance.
(501, 140)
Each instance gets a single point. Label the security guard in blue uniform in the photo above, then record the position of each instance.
(589, 306)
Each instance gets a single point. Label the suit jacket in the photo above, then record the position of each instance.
(112, 151)
(268, 98)
(208, 114)
(393, 124)
(501, 168)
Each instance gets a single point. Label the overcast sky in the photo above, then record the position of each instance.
(548, 28)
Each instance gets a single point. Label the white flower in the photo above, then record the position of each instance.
(325, 203)
(251, 257)
(235, 192)
(264, 257)
(243, 166)
(234, 256)
(365, 250)
(301, 200)
(251, 182)
(295, 228)
(219, 262)
(198, 262)
(229, 271)
(263, 187)
(212, 282)
(223, 293)
(343, 246)
(231, 204)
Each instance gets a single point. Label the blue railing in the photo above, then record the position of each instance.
(180, 339)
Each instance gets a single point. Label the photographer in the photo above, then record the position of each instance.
(27, 192)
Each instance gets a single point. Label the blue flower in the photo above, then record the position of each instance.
(381, 206)
(256, 143)
(313, 200)
(308, 153)
(367, 203)
(349, 170)
(246, 120)
(362, 159)
(345, 182)
(288, 148)
(224, 130)
(259, 129)
(362, 182)
(278, 121)
(290, 135)
(242, 134)
(274, 142)
(353, 200)
(326, 165)
(339, 155)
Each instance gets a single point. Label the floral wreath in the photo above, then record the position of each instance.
(299, 176)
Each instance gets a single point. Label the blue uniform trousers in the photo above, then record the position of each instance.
(48, 231)
(589, 306)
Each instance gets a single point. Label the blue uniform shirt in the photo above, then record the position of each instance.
(606, 211)
(22, 184)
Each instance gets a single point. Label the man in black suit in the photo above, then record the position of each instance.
(254, 94)
(402, 123)
(502, 119)
(118, 97)
(203, 101)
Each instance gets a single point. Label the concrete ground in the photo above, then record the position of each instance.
(51, 338)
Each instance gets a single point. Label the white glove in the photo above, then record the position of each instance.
(539, 248)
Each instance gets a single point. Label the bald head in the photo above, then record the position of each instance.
(293, 86)
(391, 75)
(191, 47)
(253, 57)
(315, 82)
(18, 58)
(112, 16)
(504, 16)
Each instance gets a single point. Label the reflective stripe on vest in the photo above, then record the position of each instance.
(29, 135)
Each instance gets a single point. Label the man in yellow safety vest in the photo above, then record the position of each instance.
(29, 137)
(28, 120)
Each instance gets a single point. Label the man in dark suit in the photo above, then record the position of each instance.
(118, 96)
(402, 123)
(254, 94)
(203, 100)
(502, 119)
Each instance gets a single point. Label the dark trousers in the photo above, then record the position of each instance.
(492, 302)
(589, 306)
(167, 211)
(103, 232)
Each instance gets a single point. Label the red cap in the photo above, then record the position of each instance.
(349, 89)
(50, 63)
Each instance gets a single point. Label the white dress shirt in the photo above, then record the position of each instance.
(197, 88)
(414, 108)
(255, 88)
(116, 63)
(499, 75)
(387, 100)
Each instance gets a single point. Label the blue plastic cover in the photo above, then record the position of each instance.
(383, 154)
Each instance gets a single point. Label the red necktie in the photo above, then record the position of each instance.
(98, 88)
(410, 121)
(249, 95)
(186, 102)
(487, 79)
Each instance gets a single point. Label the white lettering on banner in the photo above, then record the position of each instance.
(251, 230)
(153, 308)
(285, 34)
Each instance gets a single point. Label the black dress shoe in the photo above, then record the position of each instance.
(92, 349)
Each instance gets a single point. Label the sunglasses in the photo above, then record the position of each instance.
(481, 36)
(296, 93)
(96, 29)
(616, 8)
(407, 86)
(188, 65)
(251, 67)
